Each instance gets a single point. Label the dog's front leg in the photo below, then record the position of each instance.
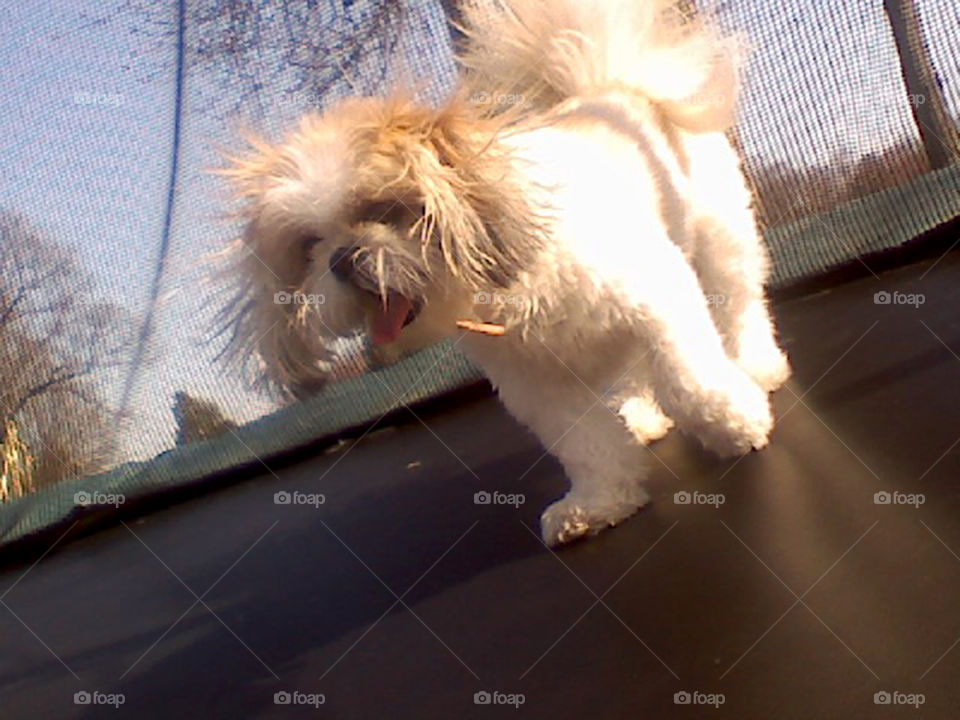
(603, 461)
(606, 467)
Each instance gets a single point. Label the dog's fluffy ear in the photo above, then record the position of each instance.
(474, 211)
(260, 336)
(309, 174)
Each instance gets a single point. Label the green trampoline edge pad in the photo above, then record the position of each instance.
(879, 221)
(342, 406)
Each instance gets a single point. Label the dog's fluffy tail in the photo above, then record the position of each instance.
(539, 53)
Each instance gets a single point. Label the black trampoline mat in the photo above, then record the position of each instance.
(399, 597)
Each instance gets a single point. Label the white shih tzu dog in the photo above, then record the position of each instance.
(578, 193)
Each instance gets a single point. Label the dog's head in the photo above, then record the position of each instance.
(371, 217)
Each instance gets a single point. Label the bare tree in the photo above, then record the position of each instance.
(939, 132)
(263, 49)
(785, 192)
(57, 347)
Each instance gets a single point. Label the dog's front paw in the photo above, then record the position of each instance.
(743, 421)
(572, 518)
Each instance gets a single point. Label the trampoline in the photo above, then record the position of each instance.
(185, 546)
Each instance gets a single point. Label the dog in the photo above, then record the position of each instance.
(579, 192)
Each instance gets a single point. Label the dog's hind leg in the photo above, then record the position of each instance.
(729, 263)
(695, 381)
(732, 262)
(644, 417)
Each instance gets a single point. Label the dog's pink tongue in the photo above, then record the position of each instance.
(388, 322)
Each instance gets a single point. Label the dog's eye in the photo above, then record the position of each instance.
(307, 242)
(390, 212)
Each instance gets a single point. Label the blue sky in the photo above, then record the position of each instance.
(85, 137)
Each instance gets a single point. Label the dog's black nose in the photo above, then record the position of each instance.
(341, 263)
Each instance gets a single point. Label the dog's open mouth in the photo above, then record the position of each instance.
(392, 317)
